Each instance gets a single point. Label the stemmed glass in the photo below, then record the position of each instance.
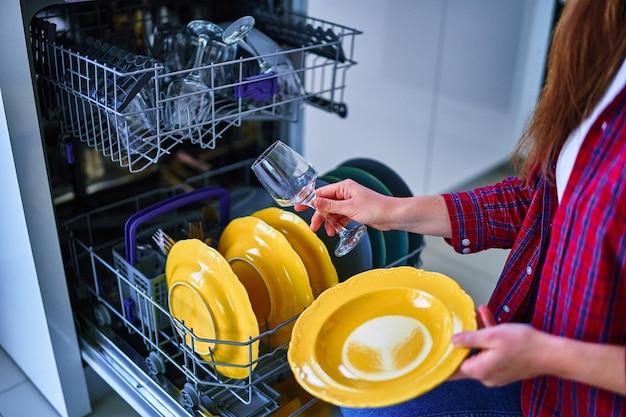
(190, 98)
(290, 180)
(238, 32)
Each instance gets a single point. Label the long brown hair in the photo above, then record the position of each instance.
(588, 48)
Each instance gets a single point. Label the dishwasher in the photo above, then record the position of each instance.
(149, 123)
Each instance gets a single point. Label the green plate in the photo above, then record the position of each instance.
(398, 187)
(376, 237)
(396, 241)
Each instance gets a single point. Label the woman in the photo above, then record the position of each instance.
(556, 323)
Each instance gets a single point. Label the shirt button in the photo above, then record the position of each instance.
(466, 250)
(529, 270)
(506, 309)
(465, 242)
(604, 125)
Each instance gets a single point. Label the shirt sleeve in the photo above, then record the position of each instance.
(488, 217)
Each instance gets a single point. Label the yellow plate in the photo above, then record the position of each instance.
(271, 271)
(207, 297)
(381, 337)
(310, 248)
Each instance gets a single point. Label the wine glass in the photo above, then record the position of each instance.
(190, 99)
(238, 32)
(290, 180)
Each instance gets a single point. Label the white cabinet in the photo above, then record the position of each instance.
(442, 90)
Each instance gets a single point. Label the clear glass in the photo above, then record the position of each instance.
(170, 48)
(290, 180)
(136, 124)
(238, 32)
(216, 52)
(189, 98)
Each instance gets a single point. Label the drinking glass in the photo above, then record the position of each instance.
(170, 48)
(135, 123)
(189, 98)
(237, 32)
(217, 52)
(136, 126)
(290, 180)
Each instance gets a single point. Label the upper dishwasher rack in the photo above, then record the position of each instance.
(118, 101)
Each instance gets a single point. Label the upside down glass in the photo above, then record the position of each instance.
(170, 48)
(290, 180)
(189, 99)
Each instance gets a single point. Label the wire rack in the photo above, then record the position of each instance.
(130, 298)
(124, 105)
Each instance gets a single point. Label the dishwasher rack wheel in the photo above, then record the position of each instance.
(155, 364)
(189, 396)
(102, 315)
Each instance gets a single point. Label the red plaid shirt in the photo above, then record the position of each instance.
(566, 273)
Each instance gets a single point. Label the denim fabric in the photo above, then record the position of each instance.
(464, 398)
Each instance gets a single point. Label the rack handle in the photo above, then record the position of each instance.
(340, 108)
(134, 221)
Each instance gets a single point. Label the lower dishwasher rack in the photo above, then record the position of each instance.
(128, 335)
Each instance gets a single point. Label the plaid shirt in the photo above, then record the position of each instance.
(566, 272)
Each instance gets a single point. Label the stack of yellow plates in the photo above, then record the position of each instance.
(314, 254)
(206, 296)
(380, 338)
(273, 274)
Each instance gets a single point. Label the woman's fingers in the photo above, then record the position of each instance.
(485, 317)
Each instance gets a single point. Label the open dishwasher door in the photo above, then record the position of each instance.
(36, 327)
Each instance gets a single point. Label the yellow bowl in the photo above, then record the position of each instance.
(207, 297)
(271, 271)
(314, 254)
(380, 338)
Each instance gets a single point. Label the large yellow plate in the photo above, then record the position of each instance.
(271, 271)
(207, 297)
(314, 254)
(381, 337)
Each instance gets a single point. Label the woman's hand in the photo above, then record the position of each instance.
(513, 351)
(508, 352)
(347, 201)
(505, 351)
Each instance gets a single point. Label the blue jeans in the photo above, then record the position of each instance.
(464, 398)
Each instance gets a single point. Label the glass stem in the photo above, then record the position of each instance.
(341, 231)
(203, 41)
(338, 227)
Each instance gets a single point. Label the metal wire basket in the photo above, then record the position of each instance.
(122, 103)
